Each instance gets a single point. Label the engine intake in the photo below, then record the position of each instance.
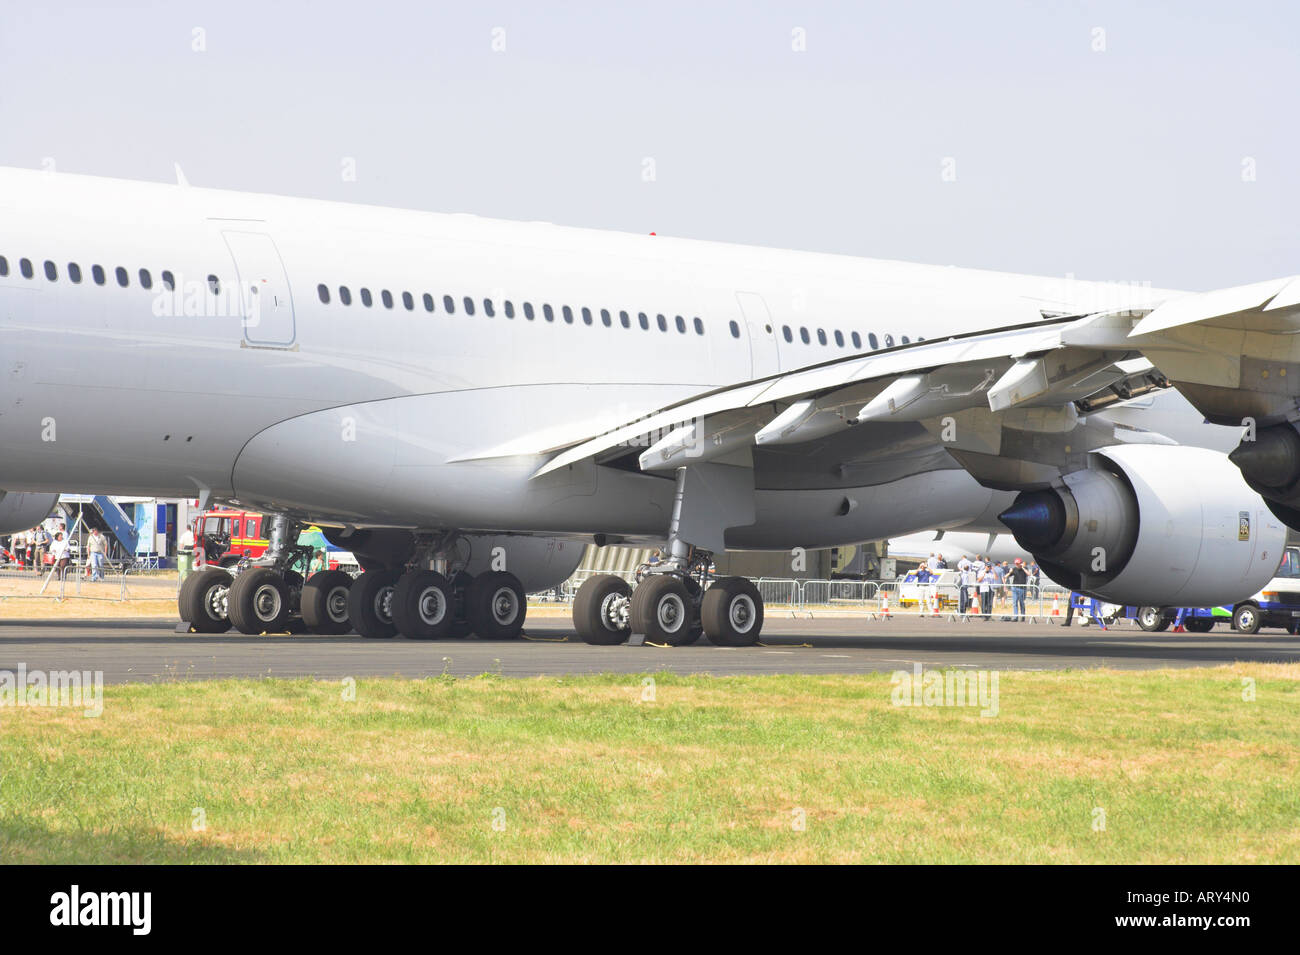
(1152, 525)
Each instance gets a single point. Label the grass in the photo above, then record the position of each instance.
(715, 769)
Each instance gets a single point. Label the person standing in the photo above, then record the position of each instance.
(987, 583)
(1019, 582)
(59, 551)
(97, 549)
(41, 545)
(964, 581)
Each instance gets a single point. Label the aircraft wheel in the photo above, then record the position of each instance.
(1152, 619)
(1246, 619)
(202, 600)
(496, 605)
(662, 609)
(370, 603)
(732, 612)
(259, 602)
(596, 614)
(423, 607)
(325, 602)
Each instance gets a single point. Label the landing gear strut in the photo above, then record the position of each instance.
(265, 594)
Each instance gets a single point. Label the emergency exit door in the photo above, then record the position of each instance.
(266, 304)
(763, 358)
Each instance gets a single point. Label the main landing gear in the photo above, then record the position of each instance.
(270, 595)
(673, 602)
(669, 609)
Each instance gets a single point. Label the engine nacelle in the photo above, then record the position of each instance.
(20, 511)
(1152, 525)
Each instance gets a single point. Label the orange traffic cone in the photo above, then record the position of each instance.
(884, 604)
(934, 605)
(974, 603)
(1056, 605)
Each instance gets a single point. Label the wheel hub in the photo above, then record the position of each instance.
(742, 613)
(504, 606)
(433, 606)
(671, 613)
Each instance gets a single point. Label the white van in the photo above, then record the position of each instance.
(1278, 604)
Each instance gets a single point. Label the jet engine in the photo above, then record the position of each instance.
(21, 511)
(1152, 525)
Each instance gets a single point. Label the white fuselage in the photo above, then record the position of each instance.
(394, 415)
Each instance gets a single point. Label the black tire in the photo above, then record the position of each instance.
(423, 606)
(591, 610)
(259, 602)
(662, 609)
(325, 602)
(202, 602)
(732, 612)
(1200, 624)
(1152, 619)
(370, 604)
(496, 605)
(1246, 618)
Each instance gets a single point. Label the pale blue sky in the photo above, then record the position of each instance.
(1121, 165)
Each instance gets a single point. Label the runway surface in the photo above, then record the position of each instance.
(148, 650)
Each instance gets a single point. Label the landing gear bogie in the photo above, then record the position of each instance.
(203, 599)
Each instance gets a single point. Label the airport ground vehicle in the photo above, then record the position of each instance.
(223, 537)
(1276, 605)
(911, 590)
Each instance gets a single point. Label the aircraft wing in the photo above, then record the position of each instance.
(1017, 407)
(984, 396)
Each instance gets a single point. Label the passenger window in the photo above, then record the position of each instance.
(25, 266)
(214, 285)
(681, 324)
(821, 336)
(586, 315)
(146, 280)
(74, 273)
(366, 298)
(169, 283)
(428, 302)
(804, 337)
(408, 301)
(699, 327)
(387, 298)
(528, 311)
(345, 295)
(872, 339)
(857, 340)
(785, 330)
(605, 318)
(122, 278)
(321, 290)
(510, 309)
(625, 319)
(51, 271)
(568, 314)
(4, 266)
(645, 322)
(488, 310)
(839, 338)
(735, 329)
(97, 273)
(889, 341)
(469, 305)
(663, 323)
(548, 313)
(449, 305)
(906, 340)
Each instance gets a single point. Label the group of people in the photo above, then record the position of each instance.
(30, 549)
(988, 581)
